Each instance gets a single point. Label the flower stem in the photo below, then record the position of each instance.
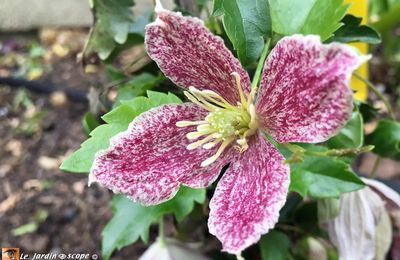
(372, 175)
(299, 152)
(239, 256)
(260, 66)
(389, 109)
(161, 234)
(290, 228)
(378, 93)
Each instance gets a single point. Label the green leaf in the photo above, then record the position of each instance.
(117, 120)
(353, 31)
(351, 136)
(323, 177)
(113, 21)
(328, 209)
(386, 139)
(89, 122)
(274, 245)
(367, 111)
(138, 86)
(247, 24)
(132, 221)
(307, 16)
(25, 229)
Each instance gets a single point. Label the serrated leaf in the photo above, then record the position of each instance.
(351, 136)
(274, 245)
(158, 98)
(367, 111)
(307, 16)
(353, 31)
(137, 86)
(323, 177)
(89, 122)
(247, 24)
(132, 221)
(117, 120)
(114, 28)
(386, 139)
(111, 26)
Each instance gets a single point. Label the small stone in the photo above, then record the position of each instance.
(48, 163)
(79, 186)
(10, 202)
(15, 147)
(58, 99)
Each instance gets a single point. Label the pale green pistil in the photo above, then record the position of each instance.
(224, 123)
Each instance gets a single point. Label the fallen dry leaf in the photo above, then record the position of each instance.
(14, 147)
(10, 202)
(49, 163)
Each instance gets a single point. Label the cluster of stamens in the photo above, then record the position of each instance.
(224, 124)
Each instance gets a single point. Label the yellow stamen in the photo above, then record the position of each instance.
(252, 95)
(194, 100)
(239, 86)
(195, 135)
(212, 144)
(199, 143)
(202, 98)
(217, 135)
(214, 97)
(253, 118)
(202, 128)
(225, 122)
(189, 123)
(218, 153)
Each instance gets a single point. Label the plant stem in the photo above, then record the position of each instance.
(378, 93)
(239, 256)
(375, 167)
(161, 234)
(260, 65)
(290, 228)
(388, 107)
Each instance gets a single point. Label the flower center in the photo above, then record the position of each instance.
(224, 124)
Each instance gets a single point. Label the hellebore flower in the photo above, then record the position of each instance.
(303, 97)
(171, 249)
(363, 228)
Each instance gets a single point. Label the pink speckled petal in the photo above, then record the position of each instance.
(149, 161)
(190, 55)
(304, 93)
(248, 197)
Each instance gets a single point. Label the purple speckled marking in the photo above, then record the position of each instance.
(304, 94)
(190, 55)
(150, 160)
(248, 198)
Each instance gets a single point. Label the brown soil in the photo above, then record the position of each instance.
(30, 181)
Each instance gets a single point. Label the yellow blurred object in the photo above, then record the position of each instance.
(34, 74)
(60, 50)
(360, 8)
(91, 69)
